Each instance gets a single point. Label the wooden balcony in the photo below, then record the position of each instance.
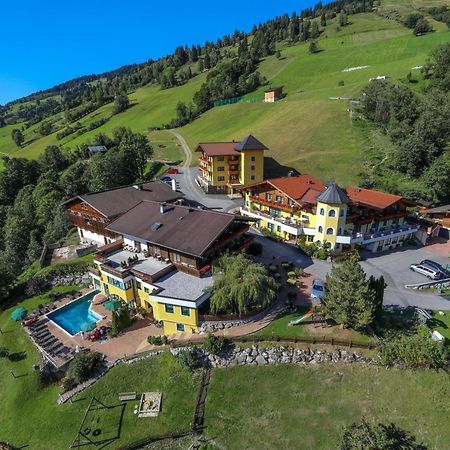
(273, 204)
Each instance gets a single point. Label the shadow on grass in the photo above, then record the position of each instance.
(18, 356)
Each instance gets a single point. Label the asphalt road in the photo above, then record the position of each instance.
(394, 267)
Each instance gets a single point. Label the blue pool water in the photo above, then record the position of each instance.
(73, 315)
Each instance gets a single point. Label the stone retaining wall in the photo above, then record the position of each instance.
(70, 280)
(256, 356)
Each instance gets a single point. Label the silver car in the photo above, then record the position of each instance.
(318, 289)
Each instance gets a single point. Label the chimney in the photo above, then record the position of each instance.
(162, 207)
(174, 184)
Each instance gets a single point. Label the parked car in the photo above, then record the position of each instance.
(436, 266)
(172, 171)
(318, 289)
(425, 270)
(166, 179)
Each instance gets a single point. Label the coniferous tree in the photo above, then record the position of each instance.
(17, 137)
(350, 301)
(323, 20)
(315, 33)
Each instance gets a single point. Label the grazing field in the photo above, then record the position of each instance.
(307, 130)
(298, 407)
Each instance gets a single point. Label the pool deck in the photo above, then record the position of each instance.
(114, 348)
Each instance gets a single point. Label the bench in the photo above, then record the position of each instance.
(127, 396)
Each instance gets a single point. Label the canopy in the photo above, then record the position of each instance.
(112, 305)
(88, 326)
(19, 314)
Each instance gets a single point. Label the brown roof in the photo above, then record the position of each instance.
(301, 188)
(116, 201)
(218, 148)
(180, 228)
(373, 199)
(306, 189)
(230, 148)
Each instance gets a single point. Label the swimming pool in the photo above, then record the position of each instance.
(72, 316)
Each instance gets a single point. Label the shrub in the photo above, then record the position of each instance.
(321, 253)
(291, 274)
(4, 352)
(157, 340)
(414, 351)
(286, 265)
(83, 365)
(189, 359)
(35, 286)
(299, 272)
(255, 249)
(291, 281)
(272, 268)
(67, 384)
(120, 320)
(307, 249)
(214, 344)
(341, 83)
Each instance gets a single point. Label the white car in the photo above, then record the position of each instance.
(318, 289)
(425, 270)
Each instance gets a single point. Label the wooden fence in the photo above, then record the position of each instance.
(288, 340)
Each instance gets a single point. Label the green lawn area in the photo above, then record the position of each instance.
(441, 323)
(30, 417)
(280, 328)
(298, 407)
(166, 147)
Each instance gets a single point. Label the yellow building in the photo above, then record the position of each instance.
(227, 166)
(339, 219)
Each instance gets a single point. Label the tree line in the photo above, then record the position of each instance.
(32, 191)
(419, 126)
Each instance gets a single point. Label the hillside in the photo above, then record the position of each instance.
(307, 130)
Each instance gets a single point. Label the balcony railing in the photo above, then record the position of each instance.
(368, 238)
(271, 203)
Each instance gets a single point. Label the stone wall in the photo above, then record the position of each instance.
(70, 280)
(256, 356)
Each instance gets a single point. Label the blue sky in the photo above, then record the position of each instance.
(43, 43)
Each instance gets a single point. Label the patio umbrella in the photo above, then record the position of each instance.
(88, 326)
(112, 305)
(19, 314)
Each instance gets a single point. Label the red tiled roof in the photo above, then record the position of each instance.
(218, 148)
(301, 188)
(374, 199)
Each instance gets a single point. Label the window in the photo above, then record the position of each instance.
(278, 228)
(331, 213)
(220, 178)
(128, 285)
(252, 167)
(322, 212)
(147, 290)
(138, 285)
(252, 177)
(279, 199)
(220, 158)
(185, 311)
(309, 238)
(169, 309)
(320, 229)
(329, 230)
(220, 169)
(116, 283)
(269, 197)
(253, 158)
(342, 213)
(291, 202)
(180, 327)
(340, 231)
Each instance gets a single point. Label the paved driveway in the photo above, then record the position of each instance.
(394, 267)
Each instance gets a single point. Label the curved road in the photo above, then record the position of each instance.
(189, 187)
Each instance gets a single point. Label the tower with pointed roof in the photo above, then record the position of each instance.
(331, 215)
(252, 160)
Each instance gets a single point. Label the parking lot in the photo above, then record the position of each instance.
(394, 266)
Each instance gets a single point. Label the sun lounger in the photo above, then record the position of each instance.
(49, 343)
(57, 346)
(47, 340)
(40, 332)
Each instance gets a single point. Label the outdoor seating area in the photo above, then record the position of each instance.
(49, 344)
(149, 405)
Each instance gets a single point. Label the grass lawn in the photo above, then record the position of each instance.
(441, 323)
(30, 417)
(306, 408)
(280, 328)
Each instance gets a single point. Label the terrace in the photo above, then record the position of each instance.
(122, 262)
(369, 238)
